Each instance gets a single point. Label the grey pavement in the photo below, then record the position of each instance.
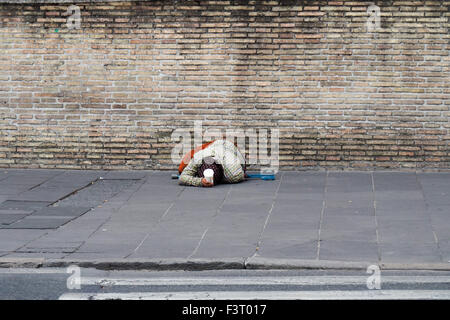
(348, 216)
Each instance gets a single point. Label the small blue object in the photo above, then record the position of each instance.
(262, 176)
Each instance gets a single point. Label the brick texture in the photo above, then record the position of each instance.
(110, 94)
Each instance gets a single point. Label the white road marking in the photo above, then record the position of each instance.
(247, 281)
(231, 280)
(31, 270)
(281, 280)
(265, 295)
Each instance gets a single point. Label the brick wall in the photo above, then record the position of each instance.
(110, 94)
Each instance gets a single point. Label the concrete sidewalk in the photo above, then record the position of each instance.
(303, 219)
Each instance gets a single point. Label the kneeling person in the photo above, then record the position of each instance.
(222, 157)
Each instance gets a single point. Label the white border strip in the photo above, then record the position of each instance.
(266, 295)
(260, 281)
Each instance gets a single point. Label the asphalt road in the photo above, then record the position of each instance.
(52, 284)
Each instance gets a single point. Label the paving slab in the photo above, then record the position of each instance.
(395, 181)
(225, 249)
(359, 196)
(179, 247)
(441, 227)
(23, 205)
(406, 231)
(55, 250)
(75, 232)
(305, 178)
(97, 193)
(11, 239)
(292, 188)
(417, 204)
(444, 249)
(6, 219)
(300, 195)
(187, 206)
(436, 188)
(439, 178)
(239, 222)
(363, 235)
(71, 176)
(180, 227)
(111, 245)
(72, 185)
(438, 198)
(402, 214)
(349, 228)
(409, 252)
(348, 222)
(306, 208)
(197, 195)
(61, 211)
(25, 180)
(351, 210)
(232, 232)
(346, 250)
(173, 227)
(43, 194)
(354, 182)
(11, 190)
(132, 215)
(291, 227)
(45, 245)
(299, 234)
(18, 212)
(125, 175)
(128, 193)
(3, 175)
(288, 249)
(95, 256)
(35, 255)
(261, 207)
(294, 200)
(39, 223)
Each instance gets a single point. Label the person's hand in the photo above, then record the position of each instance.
(206, 183)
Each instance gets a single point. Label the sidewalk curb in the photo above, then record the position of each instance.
(150, 264)
(253, 263)
(293, 264)
(297, 264)
(21, 262)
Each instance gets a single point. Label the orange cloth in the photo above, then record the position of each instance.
(188, 156)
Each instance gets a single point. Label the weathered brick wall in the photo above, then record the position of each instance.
(109, 94)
